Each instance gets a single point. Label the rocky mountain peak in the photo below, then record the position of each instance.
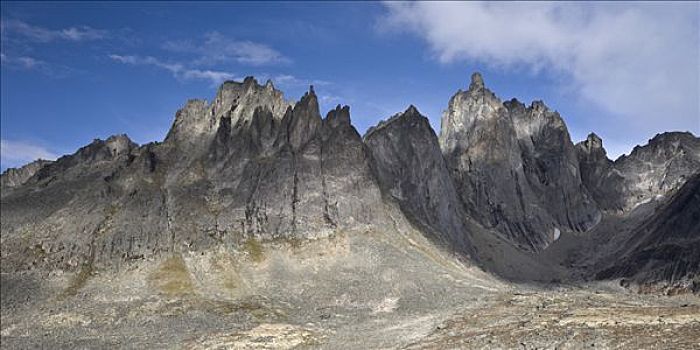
(307, 107)
(14, 177)
(648, 173)
(412, 111)
(410, 167)
(114, 146)
(671, 142)
(338, 116)
(594, 141)
(477, 82)
(303, 120)
(120, 143)
(511, 163)
(249, 81)
(237, 102)
(592, 145)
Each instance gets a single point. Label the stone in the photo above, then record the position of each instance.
(515, 167)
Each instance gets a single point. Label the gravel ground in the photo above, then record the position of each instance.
(354, 291)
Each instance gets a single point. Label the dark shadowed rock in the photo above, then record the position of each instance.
(665, 248)
(411, 169)
(515, 167)
(598, 175)
(650, 173)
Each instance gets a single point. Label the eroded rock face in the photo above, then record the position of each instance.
(197, 122)
(411, 169)
(666, 246)
(597, 173)
(14, 177)
(515, 167)
(301, 176)
(245, 166)
(653, 171)
(250, 165)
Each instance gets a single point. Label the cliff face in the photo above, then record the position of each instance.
(598, 174)
(411, 169)
(515, 167)
(248, 165)
(299, 175)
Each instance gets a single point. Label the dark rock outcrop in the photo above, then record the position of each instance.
(665, 248)
(241, 167)
(515, 167)
(651, 172)
(598, 175)
(411, 169)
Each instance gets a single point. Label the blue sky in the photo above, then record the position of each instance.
(72, 72)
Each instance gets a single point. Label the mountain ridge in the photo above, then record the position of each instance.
(249, 164)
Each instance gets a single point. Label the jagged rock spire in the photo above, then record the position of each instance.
(338, 116)
(412, 110)
(303, 120)
(477, 82)
(594, 141)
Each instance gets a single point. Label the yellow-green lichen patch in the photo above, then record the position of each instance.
(254, 249)
(172, 277)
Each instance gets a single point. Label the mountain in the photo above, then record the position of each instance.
(650, 172)
(665, 247)
(410, 168)
(515, 167)
(258, 223)
(247, 165)
(499, 188)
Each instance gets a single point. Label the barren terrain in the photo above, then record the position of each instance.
(353, 291)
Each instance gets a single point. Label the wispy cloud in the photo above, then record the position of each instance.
(330, 99)
(21, 62)
(293, 81)
(178, 70)
(28, 63)
(216, 48)
(44, 35)
(18, 153)
(638, 62)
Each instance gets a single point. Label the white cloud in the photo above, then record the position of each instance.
(217, 48)
(18, 153)
(291, 80)
(22, 62)
(178, 70)
(44, 35)
(638, 62)
(27, 63)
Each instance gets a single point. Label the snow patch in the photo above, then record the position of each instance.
(556, 234)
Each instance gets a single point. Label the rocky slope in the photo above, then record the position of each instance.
(15, 177)
(665, 247)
